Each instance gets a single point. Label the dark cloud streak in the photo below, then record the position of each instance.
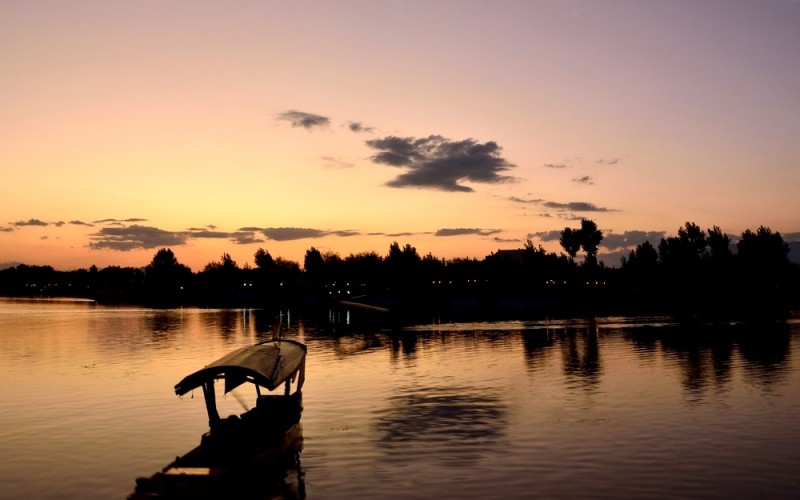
(358, 127)
(305, 120)
(29, 222)
(439, 163)
(461, 231)
(575, 206)
(135, 237)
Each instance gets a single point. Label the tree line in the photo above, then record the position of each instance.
(696, 266)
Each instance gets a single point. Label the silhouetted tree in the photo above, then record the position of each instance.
(763, 248)
(313, 263)
(166, 279)
(403, 270)
(683, 252)
(544, 270)
(264, 260)
(570, 241)
(682, 258)
(288, 273)
(694, 265)
(694, 239)
(719, 271)
(223, 281)
(641, 266)
(763, 258)
(265, 275)
(590, 238)
(365, 272)
(120, 284)
(719, 244)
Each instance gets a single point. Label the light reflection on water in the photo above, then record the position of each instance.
(605, 407)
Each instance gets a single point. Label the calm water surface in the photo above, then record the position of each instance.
(610, 407)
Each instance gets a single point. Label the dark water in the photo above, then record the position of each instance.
(610, 407)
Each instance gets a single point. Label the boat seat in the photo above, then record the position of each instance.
(276, 404)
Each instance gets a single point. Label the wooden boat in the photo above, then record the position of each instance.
(238, 447)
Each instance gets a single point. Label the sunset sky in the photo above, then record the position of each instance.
(460, 127)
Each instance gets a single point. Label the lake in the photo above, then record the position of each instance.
(605, 407)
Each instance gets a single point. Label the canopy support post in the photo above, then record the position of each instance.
(211, 404)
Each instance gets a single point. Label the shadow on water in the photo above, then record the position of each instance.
(538, 347)
(581, 355)
(163, 323)
(448, 425)
(579, 347)
(285, 481)
(708, 354)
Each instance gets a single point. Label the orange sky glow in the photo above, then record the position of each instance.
(460, 127)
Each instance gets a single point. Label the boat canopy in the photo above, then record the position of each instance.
(268, 364)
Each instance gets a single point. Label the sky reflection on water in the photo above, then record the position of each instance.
(603, 407)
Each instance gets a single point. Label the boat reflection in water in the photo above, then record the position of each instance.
(252, 452)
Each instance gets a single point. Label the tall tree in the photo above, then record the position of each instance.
(763, 251)
(719, 244)
(590, 238)
(264, 260)
(683, 252)
(693, 239)
(165, 278)
(570, 241)
(313, 263)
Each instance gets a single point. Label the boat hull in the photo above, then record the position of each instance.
(189, 477)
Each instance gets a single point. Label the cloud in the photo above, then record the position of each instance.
(439, 163)
(563, 208)
(292, 233)
(631, 239)
(790, 236)
(583, 180)
(306, 120)
(460, 231)
(300, 233)
(345, 233)
(331, 162)
(245, 238)
(397, 235)
(555, 165)
(80, 223)
(359, 127)
(136, 237)
(118, 221)
(575, 206)
(29, 222)
(6, 229)
(522, 200)
(608, 161)
(794, 251)
(553, 235)
(206, 233)
(613, 259)
(618, 244)
(506, 240)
